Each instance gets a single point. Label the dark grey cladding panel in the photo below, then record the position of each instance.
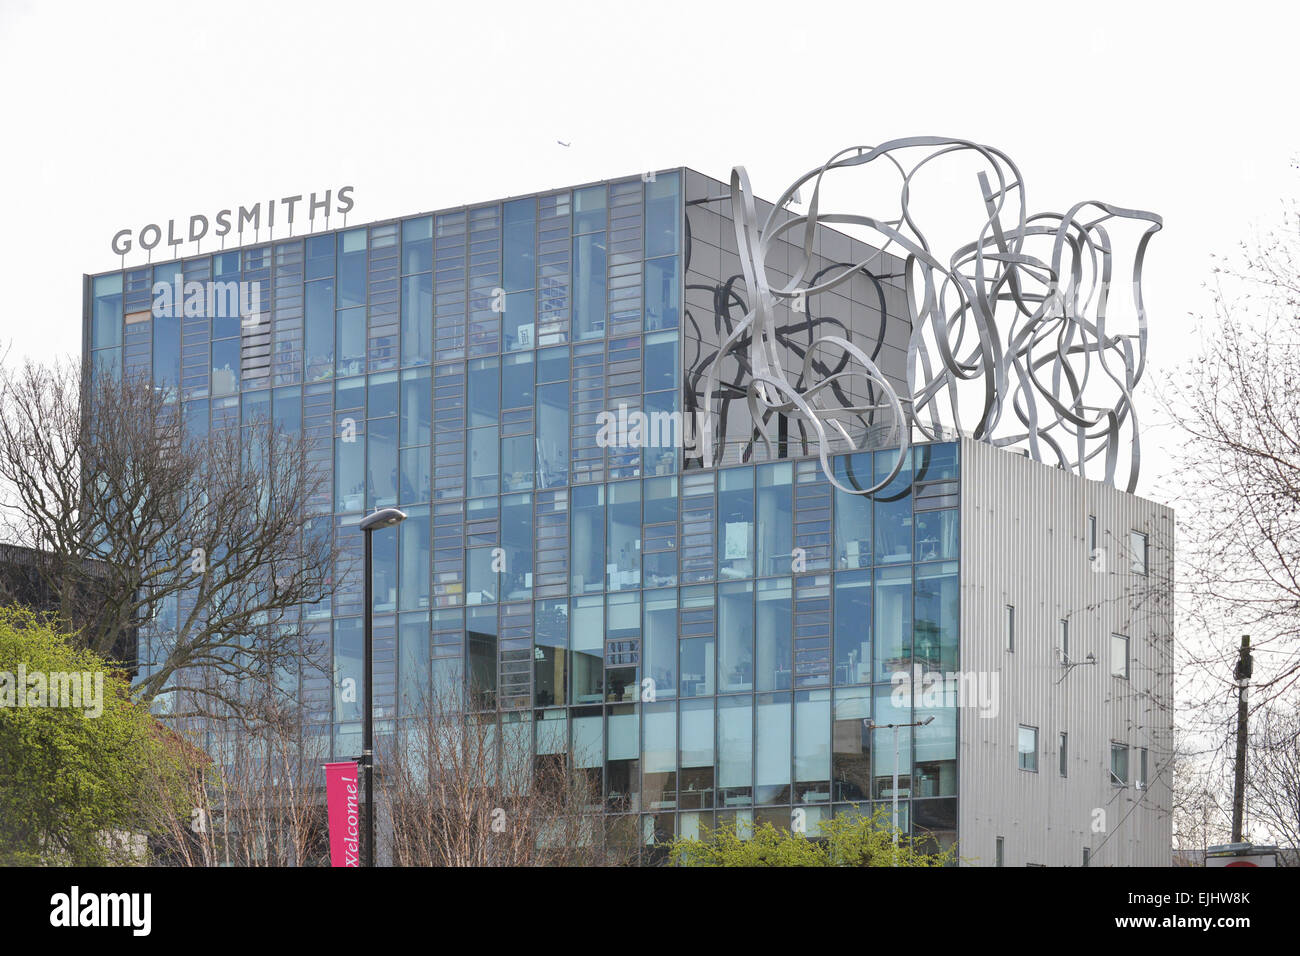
(869, 310)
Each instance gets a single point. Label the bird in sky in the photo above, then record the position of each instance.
(563, 143)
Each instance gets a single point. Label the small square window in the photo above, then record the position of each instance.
(1119, 656)
(1137, 546)
(1119, 765)
(1027, 748)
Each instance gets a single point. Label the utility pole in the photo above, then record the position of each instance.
(1242, 674)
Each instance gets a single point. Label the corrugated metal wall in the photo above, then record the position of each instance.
(1025, 543)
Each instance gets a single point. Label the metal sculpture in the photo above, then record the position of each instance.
(1024, 328)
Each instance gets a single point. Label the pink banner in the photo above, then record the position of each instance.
(344, 813)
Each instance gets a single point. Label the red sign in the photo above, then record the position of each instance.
(344, 813)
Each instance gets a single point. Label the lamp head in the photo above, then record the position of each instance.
(383, 518)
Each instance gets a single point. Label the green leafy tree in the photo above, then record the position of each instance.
(850, 839)
(74, 784)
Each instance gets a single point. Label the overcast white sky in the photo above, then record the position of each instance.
(122, 114)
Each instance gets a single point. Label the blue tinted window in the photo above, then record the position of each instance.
(661, 293)
(412, 655)
(320, 257)
(381, 449)
(225, 264)
(106, 324)
(587, 521)
(935, 462)
(517, 375)
(736, 523)
(853, 512)
(350, 341)
(484, 448)
(589, 286)
(413, 557)
(624, 543)
(553, 435)
(736, 636)
(348, 668)
(893, 621)
(287, 410)
(662, 199)
(519, 321)
(935, 628)
(417, 245)
(772, 654)
(349, 473)
(167, 353)
(553, 365)
(225, 367)
(772, 749)
(519, 264)
(417, 319)
(318, 334)
(661, 353)
(589, 210)
(196, 419)
(256, 408)
(414, 474)
(352, 269)
(517, 542)
(735, 748)
(775, 519)
(416, 401)
(382, 398)
(936, 535)
(853, 627)
(517, 463)
(484, 392)
(893, 513)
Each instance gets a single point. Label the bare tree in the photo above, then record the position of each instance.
(464, 789)
(204, 543)
(260, 803)
(1237, 406)
(1273, 778)
(1201, 817)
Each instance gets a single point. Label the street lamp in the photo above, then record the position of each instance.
(872, 725)
(383, 518)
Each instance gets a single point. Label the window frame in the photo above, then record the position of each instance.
(1139, 563)
(1116, 781)
(1020, 763)
(1127, 656)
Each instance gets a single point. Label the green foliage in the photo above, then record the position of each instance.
(850, 839)
(71, 785)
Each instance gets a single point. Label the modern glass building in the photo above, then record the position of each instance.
(707, 638)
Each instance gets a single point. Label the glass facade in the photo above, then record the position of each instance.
(707, 641)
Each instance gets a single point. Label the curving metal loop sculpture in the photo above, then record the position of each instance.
(1009, 339)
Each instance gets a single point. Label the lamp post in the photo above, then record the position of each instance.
(383, 518)
(872, 725)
